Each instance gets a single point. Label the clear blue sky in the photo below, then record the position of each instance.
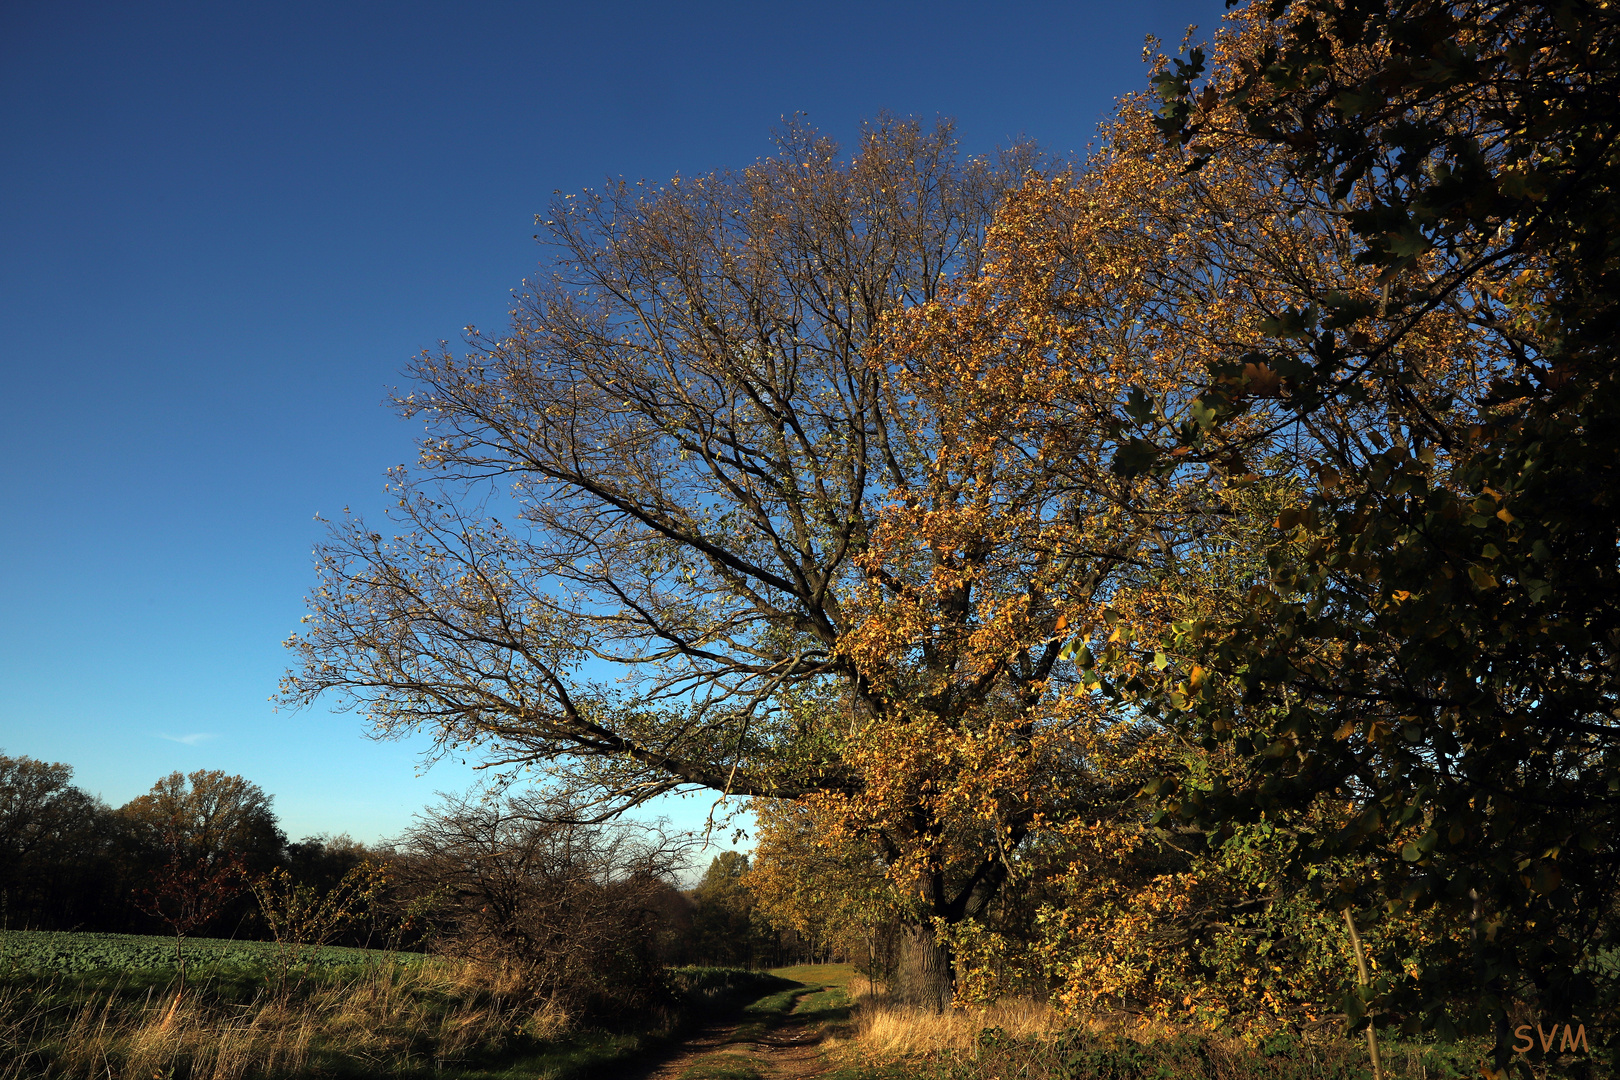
(224, 229)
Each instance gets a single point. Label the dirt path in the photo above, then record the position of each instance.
(789, 1050)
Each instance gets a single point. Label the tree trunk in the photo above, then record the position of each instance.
(925, 975)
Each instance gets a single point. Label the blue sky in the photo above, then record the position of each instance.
(225, 228)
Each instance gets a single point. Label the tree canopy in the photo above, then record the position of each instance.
(1436, 642)
(704, 458)
(1220, 530)
(206, 815)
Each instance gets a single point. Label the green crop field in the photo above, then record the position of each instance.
(32, 952)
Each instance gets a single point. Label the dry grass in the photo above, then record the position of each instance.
(389, 1017)
(1034, 1040)
(891, 1030)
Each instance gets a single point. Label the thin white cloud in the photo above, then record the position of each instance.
(191, 740)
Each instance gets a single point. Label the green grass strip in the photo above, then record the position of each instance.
(722, 1067)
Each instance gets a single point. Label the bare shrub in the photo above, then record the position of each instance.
(572, 909)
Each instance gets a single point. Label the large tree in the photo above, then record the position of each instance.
(697, 463)
(1050, 380)
(1439, 636)
(207, 815)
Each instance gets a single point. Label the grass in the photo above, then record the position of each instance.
(1028, 1039)
(843, 976)
(722, 1067)
(821, 1002)
(369, 1016)
(885, 1028)
(765, 1013)
(1025, 1039)
(825, 1006)
(381, 1015)
(385, 1020)
(828, 1007)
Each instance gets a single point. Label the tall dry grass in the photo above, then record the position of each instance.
(885, 1028)
(389, 1017)
(1024, 1038)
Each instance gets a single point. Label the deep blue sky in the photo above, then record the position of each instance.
(224, 229)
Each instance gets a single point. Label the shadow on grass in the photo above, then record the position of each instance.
(827, 1007)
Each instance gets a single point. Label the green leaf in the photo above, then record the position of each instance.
(1354, 1008)
(1202, 413)
(1136, 457)
(1409, 243)
(1139, 406)
(1290, 323)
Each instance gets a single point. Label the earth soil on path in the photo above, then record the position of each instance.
(789, 1050)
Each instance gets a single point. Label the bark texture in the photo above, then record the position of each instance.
(926, 976)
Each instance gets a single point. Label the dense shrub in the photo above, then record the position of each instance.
(575, 911)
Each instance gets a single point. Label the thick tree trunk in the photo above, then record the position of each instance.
(925, 976)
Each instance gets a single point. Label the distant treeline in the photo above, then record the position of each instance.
(68, 861)
(491, 878)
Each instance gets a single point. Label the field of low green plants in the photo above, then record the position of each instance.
(44, 953)
(79, 1006)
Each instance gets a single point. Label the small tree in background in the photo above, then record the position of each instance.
(187, 893)
(55, 847)
(209, 813)
(209, 829)
(302, 917)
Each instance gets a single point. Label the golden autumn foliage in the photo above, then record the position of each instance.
(700, 451)
(1109, 297)
(828, 889)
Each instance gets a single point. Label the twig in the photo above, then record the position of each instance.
(1361, 968)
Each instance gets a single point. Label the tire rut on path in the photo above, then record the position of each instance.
(788, 1051)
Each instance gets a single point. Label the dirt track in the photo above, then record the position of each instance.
(789, 1050)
